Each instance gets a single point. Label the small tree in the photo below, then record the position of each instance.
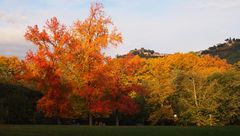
(122, 89)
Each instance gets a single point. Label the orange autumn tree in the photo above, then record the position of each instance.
(44, 67)
(122, 86)
(67, 61)
(85, 60)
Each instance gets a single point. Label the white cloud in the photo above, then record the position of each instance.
(11, 18)
(12, 42)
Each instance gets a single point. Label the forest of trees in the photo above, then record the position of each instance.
(69, 80)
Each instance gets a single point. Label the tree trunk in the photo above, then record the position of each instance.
(194, 92)
(143, 121)
(90, 118)
(7, 115)
(58, 121)
(117, 118)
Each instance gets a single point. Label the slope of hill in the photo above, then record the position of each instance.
(230, 50)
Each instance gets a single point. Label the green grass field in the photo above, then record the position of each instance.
(61, 130)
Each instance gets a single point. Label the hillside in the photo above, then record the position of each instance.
(144, 53)
(229, 50)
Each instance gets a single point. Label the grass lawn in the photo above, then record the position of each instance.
(61, 130)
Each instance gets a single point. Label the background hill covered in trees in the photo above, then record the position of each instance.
(229, 50)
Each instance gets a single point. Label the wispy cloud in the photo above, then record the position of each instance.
(11, 18)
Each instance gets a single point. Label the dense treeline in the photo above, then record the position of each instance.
(75, 82)
(18, 104)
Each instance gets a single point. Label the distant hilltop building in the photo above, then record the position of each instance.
(144, 53)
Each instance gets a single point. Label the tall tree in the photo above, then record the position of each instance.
(85, 58)
(196, 96)
(44, 66)
(163, 85)
(67, 60)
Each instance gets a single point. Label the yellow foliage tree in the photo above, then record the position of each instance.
(162, 73)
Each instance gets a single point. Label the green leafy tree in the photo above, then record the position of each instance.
(196, 99)
(229, 102)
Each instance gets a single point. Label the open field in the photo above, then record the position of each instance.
(61, 130)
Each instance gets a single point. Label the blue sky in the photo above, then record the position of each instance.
(166, 26)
